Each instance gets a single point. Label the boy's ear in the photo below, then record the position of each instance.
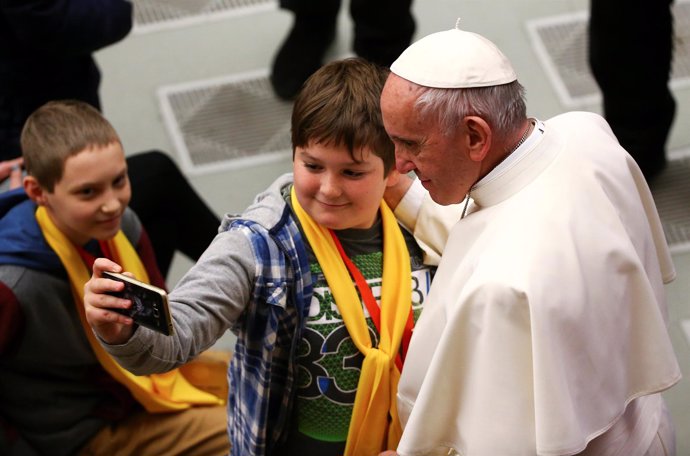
(392, 178)
(396, 187)
(34, 190)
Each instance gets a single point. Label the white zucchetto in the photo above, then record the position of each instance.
(454, 59)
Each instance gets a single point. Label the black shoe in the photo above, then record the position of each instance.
(651, 168)
(300, 56)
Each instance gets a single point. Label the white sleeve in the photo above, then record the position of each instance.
(429, 222)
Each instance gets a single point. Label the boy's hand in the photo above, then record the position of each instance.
(112, 327)
(12, 170)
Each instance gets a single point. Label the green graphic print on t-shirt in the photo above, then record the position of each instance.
(329, 362)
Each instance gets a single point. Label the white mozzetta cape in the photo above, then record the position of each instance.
(547, 314)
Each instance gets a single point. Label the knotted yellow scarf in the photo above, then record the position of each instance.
(158, 393)
(374, 425)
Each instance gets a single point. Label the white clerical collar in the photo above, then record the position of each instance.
(516, 155)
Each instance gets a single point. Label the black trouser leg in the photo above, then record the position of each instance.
(383, 29)
(630, 53)
(301, 54)
(174, 215)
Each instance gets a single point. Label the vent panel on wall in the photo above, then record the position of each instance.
(561, 45)
(226, 123)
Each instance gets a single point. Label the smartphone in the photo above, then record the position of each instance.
(149, 303)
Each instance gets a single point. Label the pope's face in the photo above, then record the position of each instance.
(440, 161)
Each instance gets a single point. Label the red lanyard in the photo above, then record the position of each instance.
(89, 259)
(372, 305)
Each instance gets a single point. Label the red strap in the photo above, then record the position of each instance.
(105, 250)
(407, 335)
(89, 259)
(372, 305)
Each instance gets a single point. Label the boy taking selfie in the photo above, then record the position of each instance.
(316, 279)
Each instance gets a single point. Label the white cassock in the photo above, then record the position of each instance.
(547, 315)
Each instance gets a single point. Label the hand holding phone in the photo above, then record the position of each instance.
(149, 303)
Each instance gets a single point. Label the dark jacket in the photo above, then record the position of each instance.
(46, 51)
(54, 394)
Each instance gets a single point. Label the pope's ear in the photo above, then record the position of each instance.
(34, 190)
(478, 138)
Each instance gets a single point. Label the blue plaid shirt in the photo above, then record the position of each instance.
(263, 368)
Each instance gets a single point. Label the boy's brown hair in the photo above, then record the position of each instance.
(58, 130)
(339, 105)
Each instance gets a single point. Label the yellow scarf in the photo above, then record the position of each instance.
(158, 393)
(374, 425)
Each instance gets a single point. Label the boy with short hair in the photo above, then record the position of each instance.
(318, 357)
(60, 392)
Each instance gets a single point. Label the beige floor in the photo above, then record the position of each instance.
(134, 68)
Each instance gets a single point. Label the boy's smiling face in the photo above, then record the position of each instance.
(90, 198)
(337, 191)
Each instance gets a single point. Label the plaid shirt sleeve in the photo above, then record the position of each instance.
(262, 370)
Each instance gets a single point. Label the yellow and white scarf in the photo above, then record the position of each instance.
(374, 425)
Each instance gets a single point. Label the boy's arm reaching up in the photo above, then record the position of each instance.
(112, 327)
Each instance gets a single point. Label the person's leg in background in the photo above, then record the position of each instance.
(198, 431)
(174, 215)
(302, 52)
(630, 53)
(11, 124)
(383, 29)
